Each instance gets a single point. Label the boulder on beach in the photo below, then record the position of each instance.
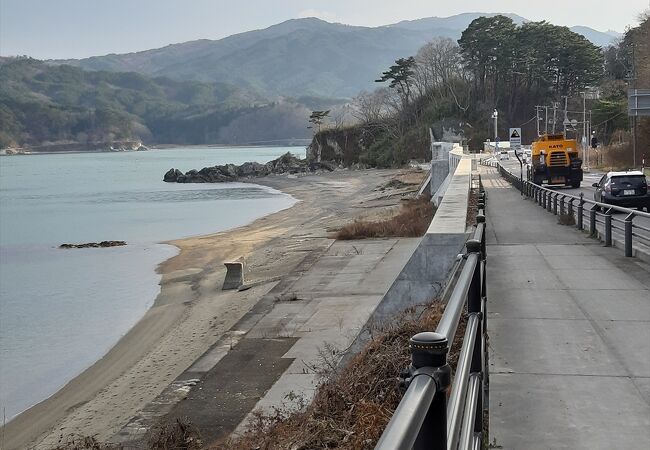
(172, 175)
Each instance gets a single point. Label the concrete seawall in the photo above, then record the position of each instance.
(426, 272)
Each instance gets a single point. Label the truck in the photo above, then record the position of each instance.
(555, 161)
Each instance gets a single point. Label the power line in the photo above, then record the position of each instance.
(526, 123)
(607, 120)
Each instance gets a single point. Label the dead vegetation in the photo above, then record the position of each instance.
(177, 435)
(351, 407)
(566, 219)
(412, 220)
(76, 442)
(472, 207)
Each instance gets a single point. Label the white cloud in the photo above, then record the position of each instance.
(325, 15)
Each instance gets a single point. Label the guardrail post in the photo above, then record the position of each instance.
(555, 204)
(628, 234)
(570, 207)
(592, 220)
(549, 203)
(429, 353)
(480, 219)
(608, 228)
(580, 212)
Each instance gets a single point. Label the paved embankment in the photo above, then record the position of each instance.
(273, 353)
(569, 330)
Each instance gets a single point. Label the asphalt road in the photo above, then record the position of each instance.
(588, 190)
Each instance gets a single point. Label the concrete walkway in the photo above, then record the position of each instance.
(569, 330)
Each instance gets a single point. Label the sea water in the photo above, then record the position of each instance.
(62, 310)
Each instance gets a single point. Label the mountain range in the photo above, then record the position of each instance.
(299, 57)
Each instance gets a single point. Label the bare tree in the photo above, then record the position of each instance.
(370, 107)
(438, 70)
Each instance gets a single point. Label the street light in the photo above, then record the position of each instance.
(495, 116)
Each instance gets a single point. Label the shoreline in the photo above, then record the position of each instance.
(28, 152)
(190, 312)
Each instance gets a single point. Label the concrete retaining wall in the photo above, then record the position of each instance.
(426, 272)
(454, 153)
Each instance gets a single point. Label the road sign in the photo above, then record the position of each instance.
(639, 102)
(515, 140)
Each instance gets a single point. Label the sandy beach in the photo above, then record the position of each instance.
(192, 312)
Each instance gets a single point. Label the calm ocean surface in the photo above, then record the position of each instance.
(62, 310)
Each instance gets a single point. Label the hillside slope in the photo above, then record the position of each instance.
(297, 57)
(41, 103)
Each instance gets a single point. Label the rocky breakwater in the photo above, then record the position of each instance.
(285, 164)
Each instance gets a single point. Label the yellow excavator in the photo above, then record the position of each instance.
(555, 161)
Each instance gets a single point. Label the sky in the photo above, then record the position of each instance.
(47, 29)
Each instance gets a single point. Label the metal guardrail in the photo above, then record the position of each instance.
(434, 413)
(583, 210)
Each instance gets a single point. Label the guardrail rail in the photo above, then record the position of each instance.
(434, 412)
(586, 213)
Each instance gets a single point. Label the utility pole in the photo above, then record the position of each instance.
(633, 117)
(537, 117)
(565, 122)
(585, 151)
(546, 120)
(554, 115)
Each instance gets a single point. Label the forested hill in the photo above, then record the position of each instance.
(41, 103)
(298, 57)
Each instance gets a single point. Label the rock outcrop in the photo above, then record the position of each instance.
(285, 164)
(101, 244)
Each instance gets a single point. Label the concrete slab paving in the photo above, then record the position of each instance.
(598, 279)
(607, 304)
(550, 412)
(643, 385)
(539, 303)
(573, 261)
(334, 300)
(550, 346)
(569, 328)
(631, 341)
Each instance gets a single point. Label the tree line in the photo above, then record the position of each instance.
(42, 103)
(496, 64)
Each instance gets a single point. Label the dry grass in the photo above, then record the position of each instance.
(412, 220)
(352, 407)
(76, 442)
(566, 219)
(472, 207)
(177, 435)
